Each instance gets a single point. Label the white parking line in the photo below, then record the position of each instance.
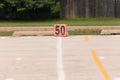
(2, 37)
(117, 78)
(9, 79)
(19, 59)
(60, 68)
(101, 57)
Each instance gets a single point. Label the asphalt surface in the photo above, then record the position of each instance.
(53, 58)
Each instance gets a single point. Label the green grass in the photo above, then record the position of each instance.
(6, 33)
(85, 32)
(69, 22)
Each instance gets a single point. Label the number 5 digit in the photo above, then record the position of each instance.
(57, 31)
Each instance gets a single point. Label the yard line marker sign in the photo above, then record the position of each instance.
(60, 30)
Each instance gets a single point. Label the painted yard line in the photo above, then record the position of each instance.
(99, 64)
(60, 68)
(2, 37)
(117, 78)
(9, 79)
(86, 38)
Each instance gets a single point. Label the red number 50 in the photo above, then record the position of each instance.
(60, 30)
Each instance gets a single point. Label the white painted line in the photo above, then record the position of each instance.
(117, 78)
(101, 57)
(2, 37)
(29, 37)
(18, 58)
(60, 68)
(9, 79)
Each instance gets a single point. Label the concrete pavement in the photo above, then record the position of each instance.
(37, 58)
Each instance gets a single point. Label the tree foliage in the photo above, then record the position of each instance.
(20, 8)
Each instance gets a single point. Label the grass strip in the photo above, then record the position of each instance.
(6, 33)
(69, 22)
(85, 32)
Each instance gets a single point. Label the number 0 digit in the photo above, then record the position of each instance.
(62, 30)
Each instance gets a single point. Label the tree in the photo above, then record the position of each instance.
(26, 8)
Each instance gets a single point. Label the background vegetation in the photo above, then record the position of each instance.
(70, 22)
(52, 9)
(29, 9)
(90, 8)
